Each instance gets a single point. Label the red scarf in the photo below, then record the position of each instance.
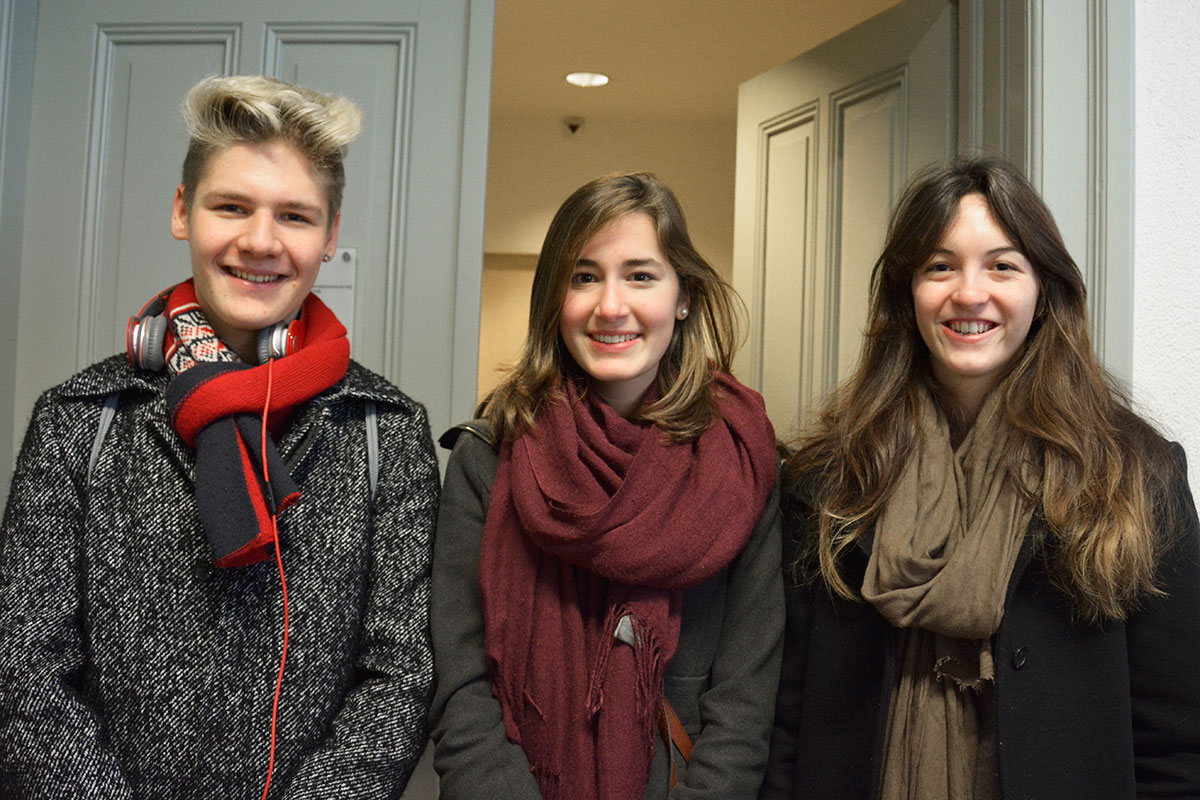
(593, 517)
(216, 407)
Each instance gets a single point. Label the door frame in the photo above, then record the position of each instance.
(18, 29)
(1019, 58)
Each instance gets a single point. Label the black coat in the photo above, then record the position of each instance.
(1084, 712)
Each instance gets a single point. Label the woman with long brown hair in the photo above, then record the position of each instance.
(607, 604)
(993, 572)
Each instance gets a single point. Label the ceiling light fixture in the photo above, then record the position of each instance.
(587, 79)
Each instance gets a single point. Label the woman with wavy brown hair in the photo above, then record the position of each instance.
(607, 604)
(993, 566)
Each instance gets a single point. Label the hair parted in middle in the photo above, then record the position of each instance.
(221, 112)
(1102, 467)
(702, 343)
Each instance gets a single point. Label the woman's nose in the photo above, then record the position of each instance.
(969, 290)
(612, 301)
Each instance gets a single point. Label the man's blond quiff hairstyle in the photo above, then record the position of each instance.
(221, 112)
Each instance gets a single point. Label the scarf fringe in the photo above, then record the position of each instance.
(649, 669)
(960, 675)
(549, 781)
(604, 648)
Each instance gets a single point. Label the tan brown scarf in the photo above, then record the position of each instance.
(943, 554)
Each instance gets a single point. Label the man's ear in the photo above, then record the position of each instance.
(331, 240)
(179, 215)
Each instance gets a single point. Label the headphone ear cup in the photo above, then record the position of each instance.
(145, 342)
(295, 335)
(264, 349)
(146, 334)
(281, 339)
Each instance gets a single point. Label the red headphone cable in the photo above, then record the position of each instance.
(282, 583)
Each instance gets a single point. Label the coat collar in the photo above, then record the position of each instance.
(114, 374)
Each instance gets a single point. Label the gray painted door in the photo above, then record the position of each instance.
(108, 141)
(825, 144)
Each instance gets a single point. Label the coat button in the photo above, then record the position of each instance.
(1020, 657)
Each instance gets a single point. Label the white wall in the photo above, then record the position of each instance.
(534, 164)
(1166, 347)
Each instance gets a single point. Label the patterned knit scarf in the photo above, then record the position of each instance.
(592, 518)
(216, 403)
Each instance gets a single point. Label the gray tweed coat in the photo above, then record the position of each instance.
(130, 667)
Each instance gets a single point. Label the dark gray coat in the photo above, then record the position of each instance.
(1083, 712)
(721, 681)
(130, 667)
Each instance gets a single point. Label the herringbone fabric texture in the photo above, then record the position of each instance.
(130, 667)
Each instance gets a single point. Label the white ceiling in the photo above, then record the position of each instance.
(677, 59)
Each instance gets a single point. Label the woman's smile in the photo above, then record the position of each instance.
(620, 310)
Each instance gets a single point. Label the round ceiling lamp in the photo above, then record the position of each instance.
(587, 79)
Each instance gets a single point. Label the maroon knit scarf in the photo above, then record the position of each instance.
(216, 407)
(593, 517)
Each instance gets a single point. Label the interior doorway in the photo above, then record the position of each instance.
(670, 108)
(826, 143)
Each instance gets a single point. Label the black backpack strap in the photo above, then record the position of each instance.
(479, 428)
(107, 412)
(371, 418)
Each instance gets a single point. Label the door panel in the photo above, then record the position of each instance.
(108, 142)
(825, 143)
(140, 76)
(869, 154)
(791, 151)
(374, 65)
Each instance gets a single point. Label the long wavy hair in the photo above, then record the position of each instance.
(701, 343)
(1103, 469)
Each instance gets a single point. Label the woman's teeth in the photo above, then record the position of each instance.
(614, 339)
(969, 328)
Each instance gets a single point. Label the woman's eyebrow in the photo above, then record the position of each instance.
(629, 262)
(994, 251)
